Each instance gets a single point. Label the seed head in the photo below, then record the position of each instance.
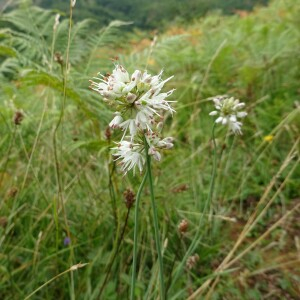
(129, 198)
(183, 226)
(3, 222)
(18, 117)
(12, 192)
(58, 58)
(192, 261)
(181, 188)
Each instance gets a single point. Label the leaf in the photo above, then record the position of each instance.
(34, 78)
(92, 145)
(7, 51)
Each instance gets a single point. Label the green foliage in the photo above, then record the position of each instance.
(148, 14)
(252, 57)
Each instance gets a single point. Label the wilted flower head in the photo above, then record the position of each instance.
(137, 99)
(229, 109)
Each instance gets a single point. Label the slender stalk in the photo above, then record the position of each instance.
(72, 269)
(214, 171)
(57, 159)
(55, 216)
(60, 124)
(116, 251)
(136, 228)
(155, 220)
(112, 193)
(11, 142)
(197, 236)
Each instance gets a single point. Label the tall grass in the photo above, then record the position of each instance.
(247, 249)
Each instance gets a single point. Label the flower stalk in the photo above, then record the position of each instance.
(214, 170)
(155, 221)
(135, 237)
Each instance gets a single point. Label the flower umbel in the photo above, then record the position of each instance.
(132, 154)
(139, 105)
(229, 110)
(137, 99)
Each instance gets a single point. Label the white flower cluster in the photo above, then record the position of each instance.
(138, 103)
(229, 109)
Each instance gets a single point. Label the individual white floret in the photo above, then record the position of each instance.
(130, 155)
(116, 121)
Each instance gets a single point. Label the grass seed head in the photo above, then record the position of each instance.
(129, 197)
(12, 192)
(18, 117)
(192, 261)
(183, 226)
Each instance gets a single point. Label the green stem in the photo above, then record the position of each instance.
(113, 194)
(57, 158)
(115, 253)
(214, 170)
(197, 237)
(155, 220)
(136, 227)
(11, 142)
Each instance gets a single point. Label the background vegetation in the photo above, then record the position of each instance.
(50, 156)
(146, 14)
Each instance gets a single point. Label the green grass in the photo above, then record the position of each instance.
(254, 58)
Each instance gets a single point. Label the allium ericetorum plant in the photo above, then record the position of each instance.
(139, 104)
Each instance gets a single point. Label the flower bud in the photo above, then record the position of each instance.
(160, 126)
(169, 146)
(67, 241)
(116, 121)
(131, 97)
(169, 139)
(156, 155)
(56, 22)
